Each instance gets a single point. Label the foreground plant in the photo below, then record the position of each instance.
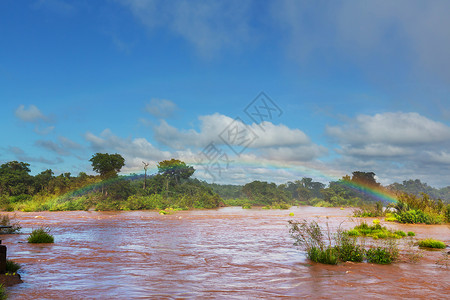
(431, 243)
(331, 248)
(41, 235)
(375, 231)
(11, 266)
(3, 294)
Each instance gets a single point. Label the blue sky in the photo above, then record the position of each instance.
(360, 85)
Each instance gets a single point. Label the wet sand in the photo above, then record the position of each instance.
(227, 253)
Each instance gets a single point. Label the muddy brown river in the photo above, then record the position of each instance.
(228, 253)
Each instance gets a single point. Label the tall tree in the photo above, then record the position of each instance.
(14, 178)
(107, 165)
(175, 170)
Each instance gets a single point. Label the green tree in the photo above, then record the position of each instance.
(107, 165)
(14, 178)
(175, 170)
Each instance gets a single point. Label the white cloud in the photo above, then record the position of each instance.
(32, 114)
(391, 128)
(133, 150)
(215, 126)
(161, 108)
(396, 146)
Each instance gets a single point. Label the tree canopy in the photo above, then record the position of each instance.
(175, 169)
(107, 165)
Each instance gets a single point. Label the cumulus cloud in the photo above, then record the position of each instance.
(394, 145)
(161, 108)
(133, 150)
(31, 114)
(391, 128)
(222, 129)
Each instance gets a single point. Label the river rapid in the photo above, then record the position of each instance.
(228, 253)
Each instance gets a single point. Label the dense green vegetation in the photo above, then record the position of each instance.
(173, 187)
(40, 235)
(431, 243)
(170, 187)
(375, 231)
(322, 246)
(413, 209)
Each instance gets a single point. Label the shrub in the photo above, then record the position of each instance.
(347, 248)
(246, 206)
(400, 233)
(410, 233)
(326, 256)
(11, 266)
(353, 232)
(385, 254)
(431, 243)
(41, 235)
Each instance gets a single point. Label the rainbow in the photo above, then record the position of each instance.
(296, 170)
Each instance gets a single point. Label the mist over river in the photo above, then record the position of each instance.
(228, 253)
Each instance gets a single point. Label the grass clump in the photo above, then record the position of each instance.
(325, 247)
(246, 206)
(11, 266)
(410, 233)
(40, 235)
(375, 231)
(431, 243)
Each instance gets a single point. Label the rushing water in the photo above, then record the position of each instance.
(227, 253)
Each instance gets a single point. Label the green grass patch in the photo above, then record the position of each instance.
(431, 243)
(40, 235)
(375, 231)
(410, 233)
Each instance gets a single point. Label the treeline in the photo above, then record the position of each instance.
(171, 187)
(355, 190)
(416, 188)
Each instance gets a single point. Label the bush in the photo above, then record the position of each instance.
(41, 235)
(246, 206)
(410, 233)
(379, 255)
(11, 266)
(326, 256)
(431, 243)
(347, 248)
(400, 233)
